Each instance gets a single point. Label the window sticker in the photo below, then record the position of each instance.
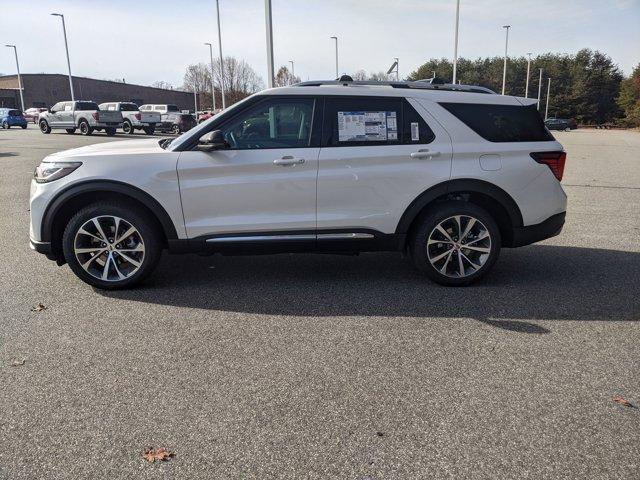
(367, 126)
(415, 132)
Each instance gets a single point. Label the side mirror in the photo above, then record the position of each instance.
(212, 141)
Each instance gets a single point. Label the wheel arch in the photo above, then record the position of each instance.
(70, 200)
(492, 198)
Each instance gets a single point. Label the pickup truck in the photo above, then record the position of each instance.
(133, 118)
(82, 115)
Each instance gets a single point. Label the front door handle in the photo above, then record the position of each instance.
(425, 154)
(288, 161)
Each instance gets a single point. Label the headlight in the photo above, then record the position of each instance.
(50, 171)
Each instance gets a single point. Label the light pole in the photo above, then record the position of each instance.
(337, 74)
(213, 89)
(268, 19)
(293, 73)
(504, 70)
(455, 44)
(397, 69)
(526, 88)
(539, 89)
(546, 110)
(224, 103)
(15, 51)
(66, 47)
(195, 103)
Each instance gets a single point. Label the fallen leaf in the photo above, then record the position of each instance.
(618, 399)
(380, 434)
(38, 308)
(18, 363)
(160, 454)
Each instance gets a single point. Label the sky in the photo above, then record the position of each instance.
(144, 41)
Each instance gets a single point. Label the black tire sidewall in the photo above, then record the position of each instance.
(85, 129)
(132, 214)
(44, 127)
(426, 224)
(127, 127)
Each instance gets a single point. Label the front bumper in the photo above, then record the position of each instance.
(43, 248)
(551, 227)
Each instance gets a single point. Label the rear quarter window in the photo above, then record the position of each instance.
(502, 123)
(87, 106)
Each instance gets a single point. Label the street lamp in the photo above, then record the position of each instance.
(539, 89)
(213, 90)
(455, 45)
(15, 51)
(337, 74)
(269, 22)
(292, 70)
(224, 104)
(526, 88)
(504, 70)
(397, 69)
(546, 111)
(66, 47)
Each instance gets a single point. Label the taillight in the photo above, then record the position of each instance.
(138, 116)
(96, 116)
(554, 160)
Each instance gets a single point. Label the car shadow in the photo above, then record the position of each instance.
(8, 154)
(540, 282)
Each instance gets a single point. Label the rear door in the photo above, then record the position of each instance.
(264, 183)
(378, 154)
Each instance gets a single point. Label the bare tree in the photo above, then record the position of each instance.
(162, 84)
(284, 77)
(360, 75)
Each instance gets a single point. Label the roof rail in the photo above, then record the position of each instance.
(419, 84)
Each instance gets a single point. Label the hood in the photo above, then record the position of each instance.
(150, 145)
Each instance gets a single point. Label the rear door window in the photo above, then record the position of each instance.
(87, 106)
(502, 123)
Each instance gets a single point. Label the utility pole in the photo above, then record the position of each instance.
(455, 44)
(546, 111)
(539, 89)
(293, 73)
(15, 51)
(267, 15)
(224, 102)
(195, 102)
(397, 69)
(504, 70)
(526, 88)
(66, 47)
(337, 72)
(213, 89)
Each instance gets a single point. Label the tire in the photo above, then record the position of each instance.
(444, 258)
(24, 127)
(85, 129)
(110, 131)
(149, 130)
(5, 125)
(128, 128)
(175, 129)
(70, 131)
(143, 247)
(44, 127)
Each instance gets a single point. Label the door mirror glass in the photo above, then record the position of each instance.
(212, 141)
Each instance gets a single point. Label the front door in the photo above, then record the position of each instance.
(264, 183)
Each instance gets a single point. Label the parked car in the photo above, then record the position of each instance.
(560, 124)
(133, 118)
(447, 175)
(11, 117)
(82, 115)
(177, 123)
(33, 114)
(160, 108)
(206, 115)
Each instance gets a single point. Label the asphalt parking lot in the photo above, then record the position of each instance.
(320, 366)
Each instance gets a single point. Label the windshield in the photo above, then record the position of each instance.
(197, 132)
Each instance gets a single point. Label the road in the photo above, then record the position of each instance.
(321, 366)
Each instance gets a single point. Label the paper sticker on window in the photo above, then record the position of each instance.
(415, 132)
(367, 126)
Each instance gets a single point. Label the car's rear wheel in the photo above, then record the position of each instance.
(44, 127)
(5, 125)
(175, 129)
(456, 243)
(24, 127)
(128, 128)
(85, 129)
(112, 246)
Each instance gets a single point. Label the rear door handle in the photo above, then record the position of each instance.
(424, 154)
(288, 161)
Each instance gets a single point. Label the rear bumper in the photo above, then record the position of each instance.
(551, 227)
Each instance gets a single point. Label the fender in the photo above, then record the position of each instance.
(459, 185)
(106, 186)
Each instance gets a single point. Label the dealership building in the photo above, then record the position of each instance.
(46, 89)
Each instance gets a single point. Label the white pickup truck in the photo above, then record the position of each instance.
(85, 116)
(134, 118)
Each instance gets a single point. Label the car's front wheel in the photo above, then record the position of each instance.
(112, 246)
(456, 243)
(44, 127)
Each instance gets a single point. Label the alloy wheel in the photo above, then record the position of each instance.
(459, 246)
(109, 248)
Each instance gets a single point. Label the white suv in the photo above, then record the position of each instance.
(448, 174)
